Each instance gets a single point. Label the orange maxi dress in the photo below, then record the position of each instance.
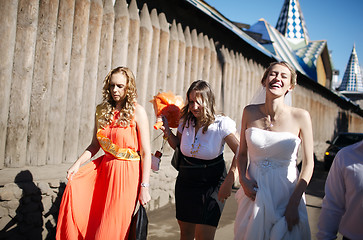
(99, 200)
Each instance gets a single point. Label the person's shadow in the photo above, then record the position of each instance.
(54, 211)
(28, 221)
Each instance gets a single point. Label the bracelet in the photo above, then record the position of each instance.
(144, 184)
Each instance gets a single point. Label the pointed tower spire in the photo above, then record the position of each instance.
(291, 23)
(352, 79)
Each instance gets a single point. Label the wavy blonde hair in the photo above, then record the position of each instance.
(107, 107)
(207, 101)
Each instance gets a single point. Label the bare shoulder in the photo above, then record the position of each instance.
(140, 112)
(252, 108)
(252, 112)
(251, 115)
(300, 115)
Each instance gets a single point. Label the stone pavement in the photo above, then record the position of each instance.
(163, 225)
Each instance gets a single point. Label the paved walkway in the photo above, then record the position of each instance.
(163, 225)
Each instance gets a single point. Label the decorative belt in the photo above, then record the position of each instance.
(120, 153)
(214, 162)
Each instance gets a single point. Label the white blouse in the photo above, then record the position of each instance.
(208, 145)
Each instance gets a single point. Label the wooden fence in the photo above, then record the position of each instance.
(56, 53)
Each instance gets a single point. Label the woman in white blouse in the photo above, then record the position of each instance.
(202, 184)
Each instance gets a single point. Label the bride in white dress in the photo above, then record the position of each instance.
(271, 201)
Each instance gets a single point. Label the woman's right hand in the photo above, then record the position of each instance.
(250, 188)
(72, 170)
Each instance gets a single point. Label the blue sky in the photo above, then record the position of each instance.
(337, 21)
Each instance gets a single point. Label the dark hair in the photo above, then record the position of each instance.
(206, 97)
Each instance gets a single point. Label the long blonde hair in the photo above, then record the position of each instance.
(107, 107)
(204, 92)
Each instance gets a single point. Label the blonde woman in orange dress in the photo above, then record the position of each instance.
(100, 197)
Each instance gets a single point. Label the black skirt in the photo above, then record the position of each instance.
(196, 190)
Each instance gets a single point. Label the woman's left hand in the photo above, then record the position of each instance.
(165, 128)
(226, 188)
(144, 196)
(291, 215)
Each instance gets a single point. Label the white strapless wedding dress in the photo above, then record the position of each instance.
(272, 158)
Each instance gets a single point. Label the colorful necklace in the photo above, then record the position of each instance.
(195, 147)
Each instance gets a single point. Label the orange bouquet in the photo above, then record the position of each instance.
(168, 105)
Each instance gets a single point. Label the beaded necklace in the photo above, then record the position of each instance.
(194, 151)
(195, 148)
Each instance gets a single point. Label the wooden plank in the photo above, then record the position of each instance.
(24, 53)
(234, 86)
(241, 90)
(88, 104)
(194, 60)
(8, 17)
(218, 79)
(200, 56)
(212, 67)
(163, 52)
(144, 55)
(41, 84)
(121, 34)
(105, 52)
(154, 57)
(59, 89)
(76, 77)
(181, 62)
(245, 80)
(225, 77)
(134, 38)
(188, 59)
(249, 86)
(207, 59)
(173, 58)
(152, 82)
(228, 83)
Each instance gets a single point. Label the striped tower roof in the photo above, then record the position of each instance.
(352, 79)
(291, 22)
(279, 45)
(308, 57)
